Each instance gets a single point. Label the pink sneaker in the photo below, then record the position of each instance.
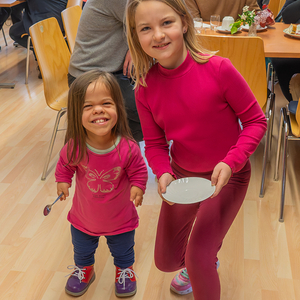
(181, 283)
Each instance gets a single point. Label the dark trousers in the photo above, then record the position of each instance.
(120, 246)
(285, 68)
(14, 12)
(18, 33)
(130, 106)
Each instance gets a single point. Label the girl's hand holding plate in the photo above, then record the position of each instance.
(220, 176)
(164, 180)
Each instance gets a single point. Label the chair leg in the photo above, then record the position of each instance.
(27, 60)
(55, 129)
(278, 146)
(271, 116)
(265, 160)
(4, 36)
(284, 162)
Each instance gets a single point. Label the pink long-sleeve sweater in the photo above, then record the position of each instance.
(197, 106)
(101, 203)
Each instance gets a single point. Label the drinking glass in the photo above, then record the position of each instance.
(198, 24)
(214, 22)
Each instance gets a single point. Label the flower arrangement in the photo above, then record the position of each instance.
(263, 18)
(247, 17)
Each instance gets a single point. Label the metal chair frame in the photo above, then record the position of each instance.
(285, 134)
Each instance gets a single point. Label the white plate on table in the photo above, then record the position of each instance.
(189, 190)
(220, 29)
(296, 36)
(258, 28)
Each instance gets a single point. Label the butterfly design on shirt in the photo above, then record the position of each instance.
(102, 181)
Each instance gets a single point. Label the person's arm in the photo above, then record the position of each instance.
(241, 99)
(64, 172)
(137, 173)
(291, 13)
(127, 66)
(136, 168)
(193, 8)
(157, 148)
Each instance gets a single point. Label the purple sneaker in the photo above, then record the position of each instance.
(79, 280)
(125, 283)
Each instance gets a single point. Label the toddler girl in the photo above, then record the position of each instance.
(110, 175)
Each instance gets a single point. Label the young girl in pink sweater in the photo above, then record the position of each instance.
(188, 95)
(110, 175)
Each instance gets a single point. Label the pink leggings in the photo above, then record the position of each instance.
(178, 246)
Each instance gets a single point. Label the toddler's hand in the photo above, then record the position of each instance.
(164, 180)
(63, 187)
(220, 176)
(136, 195)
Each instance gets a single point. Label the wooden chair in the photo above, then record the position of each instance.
(248, 57)
(53, 57)
(74, 3)
(289, 130)
(71, 17)
(275, 6)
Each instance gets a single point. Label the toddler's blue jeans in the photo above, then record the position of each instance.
(120, 246)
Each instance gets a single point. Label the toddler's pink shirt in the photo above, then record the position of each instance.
(101, 203)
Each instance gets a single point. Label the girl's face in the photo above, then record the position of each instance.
(160, 32)
(99, 115)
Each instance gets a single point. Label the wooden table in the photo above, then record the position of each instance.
(276, 43)
(10, 3)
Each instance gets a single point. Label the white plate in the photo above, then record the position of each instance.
(296, 36)
(258, 28)
(220, 29)
(189, 190)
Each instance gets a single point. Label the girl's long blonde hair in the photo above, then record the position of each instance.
(76, 133)
(143, 62)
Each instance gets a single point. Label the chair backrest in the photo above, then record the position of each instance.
(295, 121)
(53, 57)
(71, 17)
(275, 6)
(74, 2)
(248, 57)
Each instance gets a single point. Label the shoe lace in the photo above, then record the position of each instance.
(77, 272)
(125, 273)
(185, 274)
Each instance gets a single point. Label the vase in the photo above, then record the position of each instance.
(252, 30)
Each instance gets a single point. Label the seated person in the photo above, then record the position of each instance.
(35, 11)
(206, 8)
(101, 43)
(285, 68)
(14, 12)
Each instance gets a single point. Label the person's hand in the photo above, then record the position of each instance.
(136, 195)
(164, 180)
(127, 66)
(63, 187)
(220, 176)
